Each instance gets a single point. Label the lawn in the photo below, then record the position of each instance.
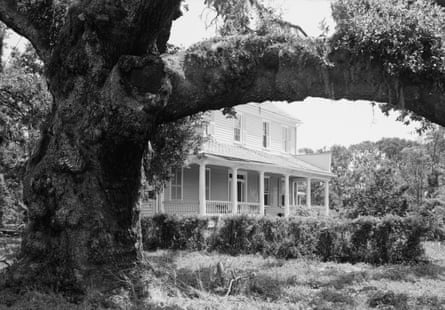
(269, 283)
(200, 280)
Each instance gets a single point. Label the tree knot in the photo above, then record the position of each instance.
(142, 74)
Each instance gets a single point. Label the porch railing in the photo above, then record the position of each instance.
(319, 210)
(215, 207)
(315, 211)
(249, 208)
(148, 208)
(181, 207)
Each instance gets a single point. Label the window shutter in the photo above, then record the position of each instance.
(243, 130)
(212, 128)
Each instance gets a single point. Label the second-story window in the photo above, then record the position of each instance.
(285, 139)
(237, 127)
(266, 135)
(209, 125)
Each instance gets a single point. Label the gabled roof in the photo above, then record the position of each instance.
(241, 153)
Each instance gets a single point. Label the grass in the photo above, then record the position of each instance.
(200, 280)
(8, 248)
(268, 283)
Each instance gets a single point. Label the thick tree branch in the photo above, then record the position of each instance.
(237, 70)
(18, 19)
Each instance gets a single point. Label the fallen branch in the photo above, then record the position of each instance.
(229, 290)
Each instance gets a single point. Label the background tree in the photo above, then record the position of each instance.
(435, 147)
(340, 167)
(170, 148)
(25, 103)
(414, 171)
(378, 197)
(369, 173)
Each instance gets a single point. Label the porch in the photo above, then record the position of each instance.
(206, 188)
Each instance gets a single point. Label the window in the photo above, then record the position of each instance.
(266, 135)
(209, 127)
(208, 184)
(285, 139)
(267, 191)
(176, 185)
(237, 127)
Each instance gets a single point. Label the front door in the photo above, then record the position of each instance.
(241, 187)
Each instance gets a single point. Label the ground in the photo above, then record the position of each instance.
(199, 280)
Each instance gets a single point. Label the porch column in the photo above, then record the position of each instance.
(308, 193)
(161, 200)
(286, 196)
(326, 197)
(202, 188)
(234, 190)
(261, 191)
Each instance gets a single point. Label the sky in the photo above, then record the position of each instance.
(325, 122)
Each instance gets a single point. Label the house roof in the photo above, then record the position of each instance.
(241, 153)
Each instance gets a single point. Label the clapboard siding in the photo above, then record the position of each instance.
(219, 179)
(191, 183)
(223, 128)
(252, 128)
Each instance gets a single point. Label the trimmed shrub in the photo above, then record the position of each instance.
(171, 232)
(391, 239)
(235, 236)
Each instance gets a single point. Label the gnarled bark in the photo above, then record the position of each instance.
(227, 72)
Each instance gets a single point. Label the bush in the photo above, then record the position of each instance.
(381, 299)
(391, 239)
(235, 236)
(433, 214)
(170, 232)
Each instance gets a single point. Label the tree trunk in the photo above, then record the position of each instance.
(81, 189)
(82, 184)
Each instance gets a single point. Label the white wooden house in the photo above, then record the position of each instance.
(259, 147)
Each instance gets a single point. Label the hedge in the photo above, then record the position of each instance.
(391, 239)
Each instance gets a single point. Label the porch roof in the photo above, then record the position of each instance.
(241, 153)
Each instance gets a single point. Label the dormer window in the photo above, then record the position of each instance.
(266, 134)
(237, 127)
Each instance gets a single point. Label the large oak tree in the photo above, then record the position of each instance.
(113, 83)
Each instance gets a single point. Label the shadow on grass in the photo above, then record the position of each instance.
(339, 279)
(329, 298)
(329, 287)
(410, 273)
